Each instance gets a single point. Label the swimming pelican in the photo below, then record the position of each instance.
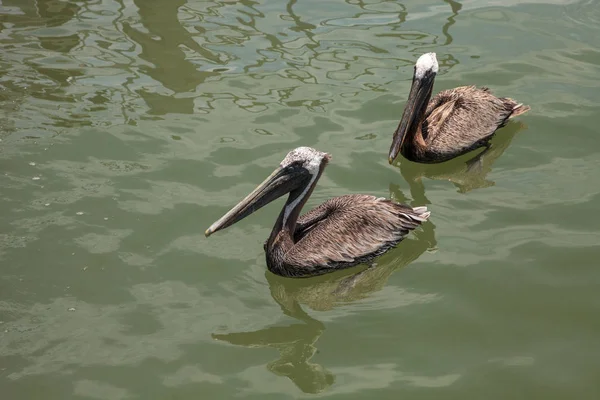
(342, 232)
(453, 123)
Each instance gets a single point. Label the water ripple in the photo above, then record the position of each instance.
(128, 126)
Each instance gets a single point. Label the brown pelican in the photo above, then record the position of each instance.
(340, 233)
(453, 123)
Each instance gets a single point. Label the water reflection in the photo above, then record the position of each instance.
(28, 75)
(456, 7)
(296, 343)
(465, 175)
(296, 346)
(163, 45)
(50, 13)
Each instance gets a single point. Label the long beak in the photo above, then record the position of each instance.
(280, 182)
(420, 92)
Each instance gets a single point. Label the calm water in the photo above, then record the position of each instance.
(128, 127)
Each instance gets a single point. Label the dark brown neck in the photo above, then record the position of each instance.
(286, 222)
(415, 136)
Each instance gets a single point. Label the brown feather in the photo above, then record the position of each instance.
(459, 120)
(340, 233)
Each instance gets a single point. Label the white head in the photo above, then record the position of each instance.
(299, 170)
(307, 157)
(426, 63)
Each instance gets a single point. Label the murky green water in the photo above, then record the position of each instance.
(128, 127)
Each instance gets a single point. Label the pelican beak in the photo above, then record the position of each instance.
(420, 92)
(283, 180)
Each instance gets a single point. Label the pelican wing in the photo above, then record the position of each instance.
(461, 118)
(311, 219)
(349, 230)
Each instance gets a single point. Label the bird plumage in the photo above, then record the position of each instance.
(342, 232)
(450, 124)
(460, 120)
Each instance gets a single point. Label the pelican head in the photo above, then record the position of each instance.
(426, 69)
(295, 175)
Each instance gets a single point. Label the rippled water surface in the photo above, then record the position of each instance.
(128, 126)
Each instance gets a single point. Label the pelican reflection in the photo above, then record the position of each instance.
(296, 342)
(465, 173)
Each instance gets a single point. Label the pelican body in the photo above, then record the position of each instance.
(453, 123)
(342, 232)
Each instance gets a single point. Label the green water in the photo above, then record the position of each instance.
(129, 126)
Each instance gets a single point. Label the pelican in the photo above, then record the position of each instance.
(453, 123)
(342, 232)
